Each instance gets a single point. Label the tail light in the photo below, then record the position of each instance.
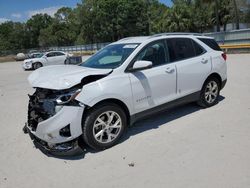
(224, 55)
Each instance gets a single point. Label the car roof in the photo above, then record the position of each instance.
(54, 51)
(142, 39)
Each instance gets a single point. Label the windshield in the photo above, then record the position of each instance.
(37, 55)
(111, 56)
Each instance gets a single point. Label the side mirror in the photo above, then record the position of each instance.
(141, 65)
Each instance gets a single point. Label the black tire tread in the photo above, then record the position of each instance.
(87, 119)
(37, 63)
(201, 101)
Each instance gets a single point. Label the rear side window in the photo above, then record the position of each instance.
(51, 54)
(59, 54)
(211, 43)
(180, 48)
(198, 49)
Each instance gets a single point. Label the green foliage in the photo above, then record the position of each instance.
(35, 24)
(94, 21)
(13, 36)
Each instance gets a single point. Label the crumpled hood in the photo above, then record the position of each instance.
(59, 77)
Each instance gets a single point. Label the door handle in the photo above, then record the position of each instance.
(204, 61)
(169, 70)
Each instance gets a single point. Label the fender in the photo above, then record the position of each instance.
(111, 87)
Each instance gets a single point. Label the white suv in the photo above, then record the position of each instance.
(125, 81)
(45, 59)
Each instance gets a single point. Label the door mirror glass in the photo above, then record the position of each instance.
(141, 65)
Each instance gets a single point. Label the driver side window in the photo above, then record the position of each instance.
(155, 52)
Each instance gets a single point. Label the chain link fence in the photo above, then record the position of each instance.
(228, 37)
(231, 37)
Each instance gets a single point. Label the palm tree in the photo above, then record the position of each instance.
(236, 14)
(216, 12)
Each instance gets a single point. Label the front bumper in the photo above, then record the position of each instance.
(49, 129)
(27, 66)
(71, 148)
(47, 133)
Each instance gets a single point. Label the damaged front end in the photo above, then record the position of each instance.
(54, 121)
(54, 115)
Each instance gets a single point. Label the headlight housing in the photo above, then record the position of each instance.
(29, 62)
(67, 97)
(51, 102)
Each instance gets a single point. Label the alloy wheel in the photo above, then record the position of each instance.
(211, 92)
(107, 127)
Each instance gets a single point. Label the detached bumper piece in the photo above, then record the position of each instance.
(70, 148)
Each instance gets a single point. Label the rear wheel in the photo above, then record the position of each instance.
(103, 126)
(37, 65)
(210, 93)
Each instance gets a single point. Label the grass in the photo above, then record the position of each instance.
(7, 58)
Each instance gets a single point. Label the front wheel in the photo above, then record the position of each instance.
(210, 93)
(37, 65)
(103, 126)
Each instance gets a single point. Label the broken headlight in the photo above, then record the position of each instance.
(67, 97)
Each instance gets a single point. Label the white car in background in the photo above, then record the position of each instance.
(45, 59)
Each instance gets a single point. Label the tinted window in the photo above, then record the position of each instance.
(211, 43)
(155, 53)
(51, 54)
(180, 48)
(197, 48)
(59, 53)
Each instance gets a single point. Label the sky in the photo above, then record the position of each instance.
(22, 10)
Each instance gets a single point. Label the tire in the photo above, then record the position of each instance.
(210, 93)
(101, 132)
(37, 65)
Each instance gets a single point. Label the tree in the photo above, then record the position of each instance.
(236, 14)
(109, 20)
(13, 36)
(94, 21)
(215, 4)
(62, 30)
(35, 24)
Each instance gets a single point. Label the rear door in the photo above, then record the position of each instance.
(51, 58)
(192, 62)
(60, 58)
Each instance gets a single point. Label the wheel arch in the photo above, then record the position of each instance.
(214, 75)
(114, 101)
(37, 62)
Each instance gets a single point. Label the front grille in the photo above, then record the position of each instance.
(40, 108)
(42, 105)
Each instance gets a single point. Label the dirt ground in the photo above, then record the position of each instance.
(181, 148)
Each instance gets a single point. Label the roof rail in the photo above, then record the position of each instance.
(127, 38)
(177, 33)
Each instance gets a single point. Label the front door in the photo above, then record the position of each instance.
(157, 85)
